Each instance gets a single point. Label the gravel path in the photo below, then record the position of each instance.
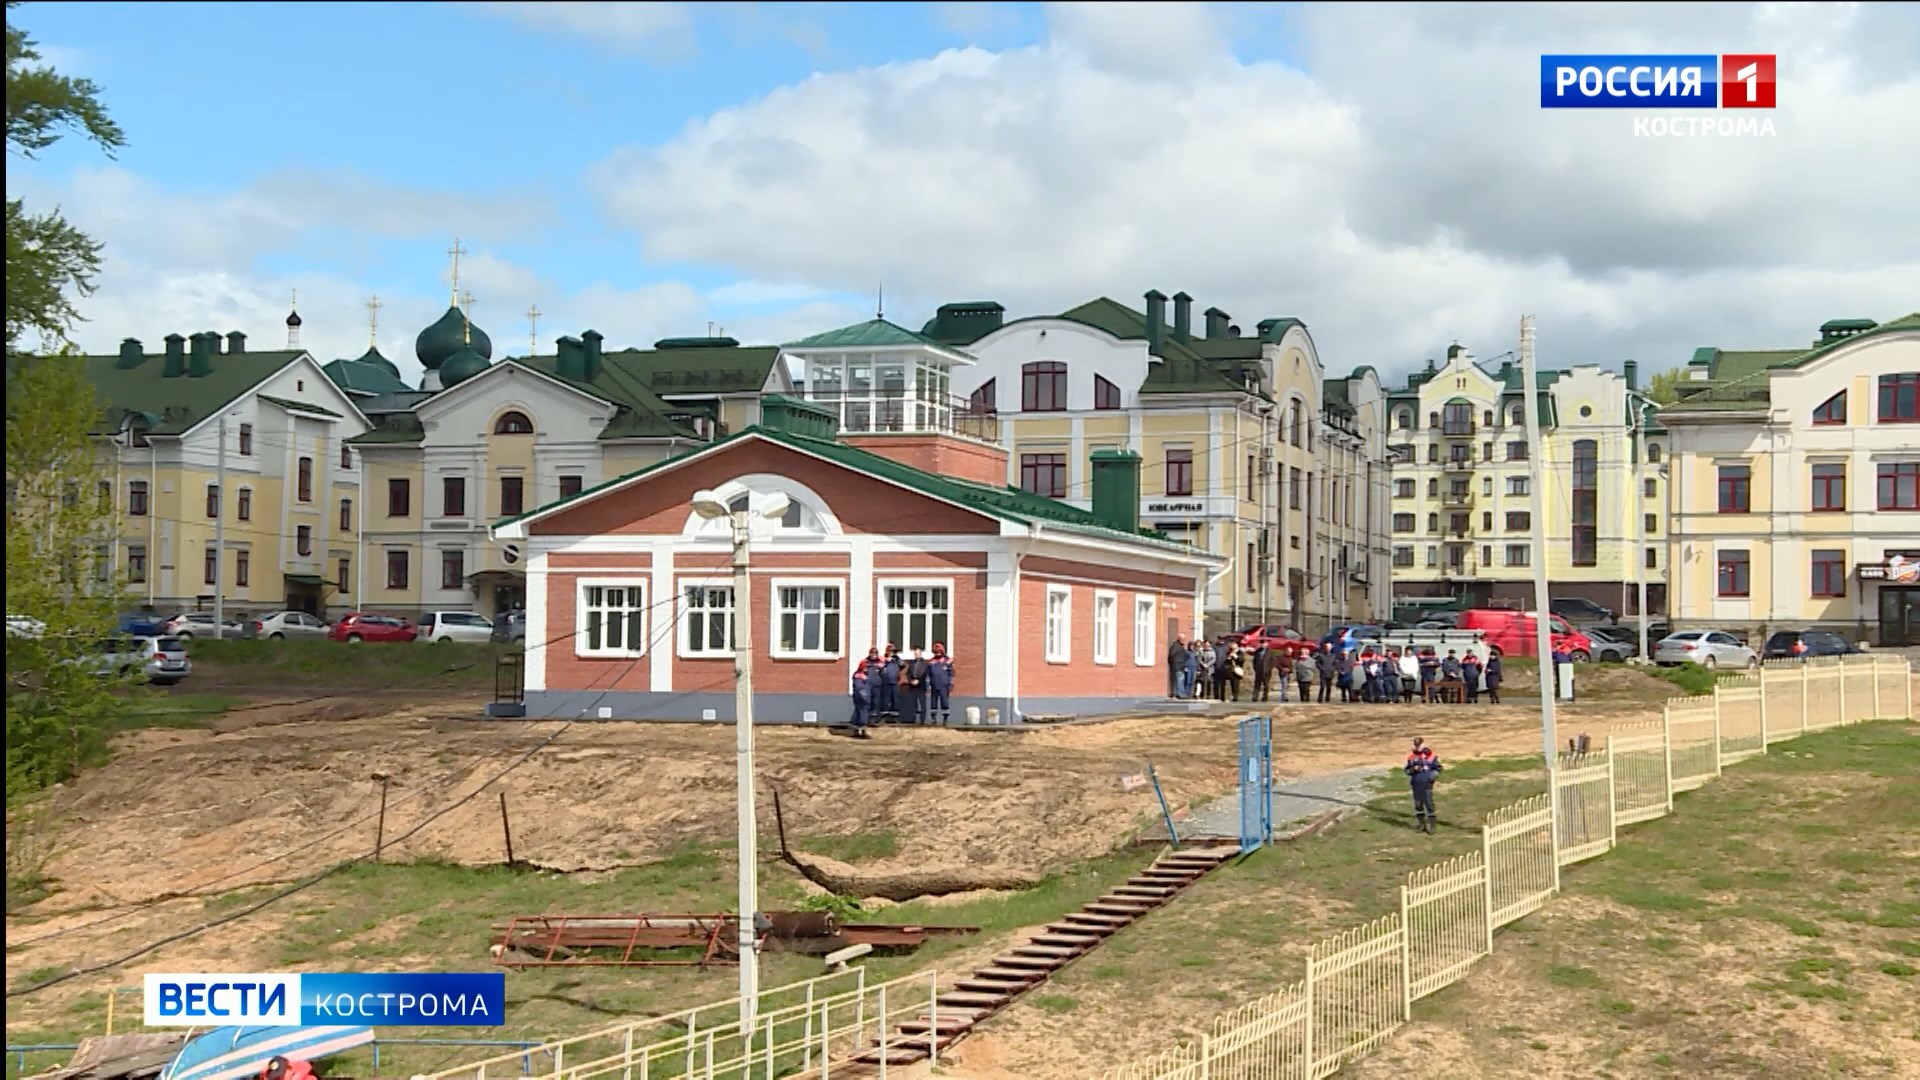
(1294, 801)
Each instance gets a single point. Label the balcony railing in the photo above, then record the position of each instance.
(1459, 465)
(1457, 498)
(1458, 431)
(866, 412)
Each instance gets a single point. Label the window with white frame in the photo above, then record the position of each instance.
(612, 619)
(1106, 612)
(706, 620)
(1143, 631)
(914, 616)
(1059, 624)
(806, 620)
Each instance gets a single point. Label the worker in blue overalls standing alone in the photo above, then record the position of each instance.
(939, 684)
(862, 698)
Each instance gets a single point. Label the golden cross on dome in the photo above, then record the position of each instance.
(466, 317)
(456, 251)
(373, 321)
(533, 330)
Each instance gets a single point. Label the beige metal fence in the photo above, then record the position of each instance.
(1361, 984)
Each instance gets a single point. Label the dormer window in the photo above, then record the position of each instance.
(1105, 394)
(1832, 411)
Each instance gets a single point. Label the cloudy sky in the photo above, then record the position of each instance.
(1383, 172)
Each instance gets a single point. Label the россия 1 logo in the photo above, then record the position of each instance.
(1692, 81)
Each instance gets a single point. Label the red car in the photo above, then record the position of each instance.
(1274, 636)
(358, 626)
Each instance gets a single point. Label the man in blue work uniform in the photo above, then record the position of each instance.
(862, 700)
(1423, 768)
(914, 686)
(886, 696)
(939, 684)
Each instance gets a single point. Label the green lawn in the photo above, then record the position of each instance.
(270, 666)
(1770, 927)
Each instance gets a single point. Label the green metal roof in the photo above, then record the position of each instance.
(363, 377)
(874, 333)
(301, 406)
(1006, 503)
(1737, 380)
(1182, 369)
(177, 403)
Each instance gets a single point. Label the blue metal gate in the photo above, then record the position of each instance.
(1256, 782)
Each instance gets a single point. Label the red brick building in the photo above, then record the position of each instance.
(1045, 608)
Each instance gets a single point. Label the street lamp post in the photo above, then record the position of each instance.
(711, 506)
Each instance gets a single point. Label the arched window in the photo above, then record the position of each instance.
(984, 401)
(1293, 423)
(803, 514)
(513, 423)
(1833, 410)
(1486, 418)
(1517, 417)
(1653, 453)
(1433, 523)
(1105, 394)
(1404, 420)
(1433, 420)
(1043, 386)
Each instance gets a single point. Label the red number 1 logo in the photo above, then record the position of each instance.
(1746, 81)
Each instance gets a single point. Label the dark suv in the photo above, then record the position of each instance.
(1780, 645)
(1580, 611)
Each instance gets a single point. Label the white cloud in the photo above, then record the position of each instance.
(660, 30)
(973, 19)
(1402, 190)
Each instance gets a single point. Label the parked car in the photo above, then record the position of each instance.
(25, 626)
(160, 660)
(288, 624)
(1781, 645)
(358, 626)
(1580, 611)
(1274, 636)
(1614, 644)
(1446, 620)
(438, 626)
(1355, 634)
(193, 624)
(1708, 648)
(142, 624)
(1514, 633)
(509, 626)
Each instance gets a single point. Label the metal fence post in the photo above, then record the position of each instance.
(1666, 748)
(1716, 729)
(1806, 687)
(1840, 670)
(1873, 667)
(1206, 1055)
(1763, 709)
(1406, 960)
(1486, 878)
(627, 1072)
(1613, 821)
(880, 1028)
(1553, 824)
(1310, 1070)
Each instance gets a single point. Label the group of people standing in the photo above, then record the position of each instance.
(1388, 674)
(884, 683)
(1217, 670)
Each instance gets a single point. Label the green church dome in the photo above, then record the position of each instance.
(461, 366)
(448, 336)
(374, 356)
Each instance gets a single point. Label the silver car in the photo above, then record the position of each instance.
(1708, 648)
(193, 624)
(287, 624)
(162, 660)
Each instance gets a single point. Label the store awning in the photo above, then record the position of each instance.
(304, 579)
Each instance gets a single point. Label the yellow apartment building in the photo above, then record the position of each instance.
(1462, 520)
(1250, 451)
(277, 427)
(480, 441)
(1796, 485)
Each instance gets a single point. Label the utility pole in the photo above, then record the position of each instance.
(1637, 500)
(1537, 510)
(220, 534)
(749, 839)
